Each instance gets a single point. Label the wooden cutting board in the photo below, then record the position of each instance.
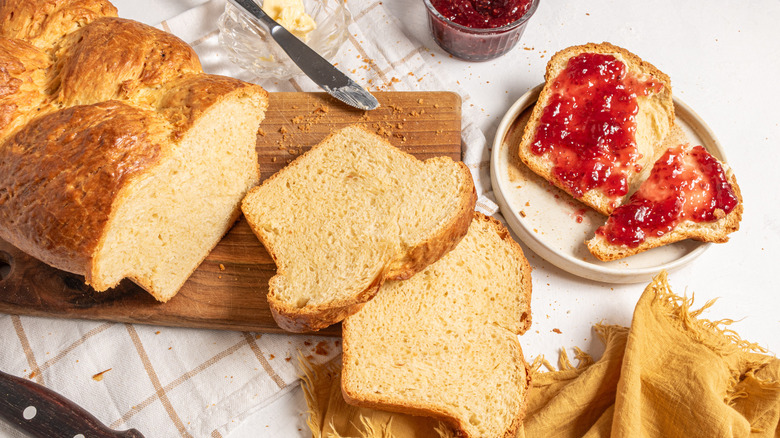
(228, 290)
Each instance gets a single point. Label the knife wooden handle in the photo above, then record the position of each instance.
(41, 412)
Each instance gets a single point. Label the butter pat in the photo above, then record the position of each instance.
(292, 16)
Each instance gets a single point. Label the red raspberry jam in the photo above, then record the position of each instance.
(685, 184)
(482, 14)
(588, 126)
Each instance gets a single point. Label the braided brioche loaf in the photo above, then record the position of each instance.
(119, 157)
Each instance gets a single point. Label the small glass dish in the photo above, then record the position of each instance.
(473, 44)
(249, 46)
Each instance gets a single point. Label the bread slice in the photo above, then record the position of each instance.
(349, 214)
(652, 122)
(683, 196)
(444, 343)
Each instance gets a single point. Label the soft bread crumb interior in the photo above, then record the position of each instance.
(446, 339)
(168, 222)
(652, 126)
(344, 210)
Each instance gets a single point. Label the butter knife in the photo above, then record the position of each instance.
(322, 72)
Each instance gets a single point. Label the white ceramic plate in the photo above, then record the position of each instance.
(555, 226)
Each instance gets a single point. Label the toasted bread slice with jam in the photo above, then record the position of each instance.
(689, 194)
(599, 120)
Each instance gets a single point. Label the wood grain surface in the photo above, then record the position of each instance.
(228, 290)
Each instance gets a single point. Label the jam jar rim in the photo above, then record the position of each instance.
(485, 30)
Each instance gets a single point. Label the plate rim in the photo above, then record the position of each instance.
(564, 261)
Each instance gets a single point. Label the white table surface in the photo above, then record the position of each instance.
(724, 63)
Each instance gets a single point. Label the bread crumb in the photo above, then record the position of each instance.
(99, 376)
(221, 267)
(260, 132)
(271, 357)
(557, 330)
(322, 348)
(522, 213)
(273, 159)
(157, 332)
(283, 130)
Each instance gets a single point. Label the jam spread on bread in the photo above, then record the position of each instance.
(482, 14)
(686, 183)
(588, 126)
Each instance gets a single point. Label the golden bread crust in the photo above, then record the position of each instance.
(23, 78)
(114, 58)
(44, 23)
(62, 172)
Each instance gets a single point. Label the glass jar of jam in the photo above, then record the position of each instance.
(478, 30)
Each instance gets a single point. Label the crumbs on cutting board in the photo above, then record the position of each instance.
(393, 121)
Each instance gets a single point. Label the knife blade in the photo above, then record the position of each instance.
(317, 68)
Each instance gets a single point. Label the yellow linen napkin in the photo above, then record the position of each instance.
(576, 402)
(671, 374)
(690, 377)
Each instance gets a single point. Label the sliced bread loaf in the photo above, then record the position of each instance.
(689, 194)
(599, 120)
(119, 157)
(444, 343)
(349, 214)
